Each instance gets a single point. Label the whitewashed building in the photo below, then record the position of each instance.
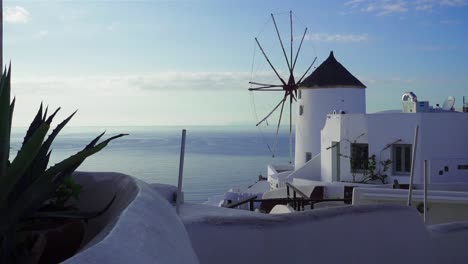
(340, 147)
(335, 137)
(442, 142)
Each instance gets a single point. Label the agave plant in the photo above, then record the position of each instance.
(27, 182)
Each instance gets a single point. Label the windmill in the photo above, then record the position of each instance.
(289, 87)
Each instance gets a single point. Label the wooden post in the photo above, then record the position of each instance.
(180, 194)
(425, 191)
(413, 160)
(294, 200)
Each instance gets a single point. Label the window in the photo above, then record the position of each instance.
(401, 159)
(359, 157)
(463, 167)
(308, 156)
(301, 109)
(300, 94)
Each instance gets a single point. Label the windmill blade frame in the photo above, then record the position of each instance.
(290, 87)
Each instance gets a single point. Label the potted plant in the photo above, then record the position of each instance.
(34, 198)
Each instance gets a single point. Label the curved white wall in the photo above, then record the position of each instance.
(141, 226)
(314, 236)
(317, 103)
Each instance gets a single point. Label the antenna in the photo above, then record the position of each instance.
(448, 103)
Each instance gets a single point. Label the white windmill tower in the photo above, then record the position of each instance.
(330, 88)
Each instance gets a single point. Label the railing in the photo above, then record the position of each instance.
(298, 201)
(249, 200)
(299, 204)
(295, 190)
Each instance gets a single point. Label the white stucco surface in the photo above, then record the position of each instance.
(311, 170)
(451, 240)
(282, 209)
(442, 141)
(316, 104)
(146, 229)
(364, 234)
(142, 227)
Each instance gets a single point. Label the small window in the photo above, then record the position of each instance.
(308, 156)
(359, 157)
(402, 159)
(300, 94)
(301, 109)
(463, 167)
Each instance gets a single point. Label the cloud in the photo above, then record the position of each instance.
(451, 22)
(428, 5)
(380, 7)
(453, 3)
(354, 2)
(113, 26)
(379, 80)
(159, 81)
(171, 81)
(388, 7)
(345, 38)
(42, 34)
(424, 7)
(16, 15)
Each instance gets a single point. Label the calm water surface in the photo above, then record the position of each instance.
(216, 159)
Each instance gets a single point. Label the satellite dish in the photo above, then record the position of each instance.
(449, 103)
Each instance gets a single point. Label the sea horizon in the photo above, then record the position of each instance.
(217, 158)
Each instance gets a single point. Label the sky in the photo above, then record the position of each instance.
(163, 62)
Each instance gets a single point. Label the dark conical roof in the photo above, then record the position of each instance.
(331, 74)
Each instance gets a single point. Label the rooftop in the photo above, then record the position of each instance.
(331, 74)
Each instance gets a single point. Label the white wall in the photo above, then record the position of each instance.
(444, 136)
(311, 170)
(443, 139)
(384, 234)
(143, 227)
(450, 239)
(344, 129)
(384, 129)
(317, 103)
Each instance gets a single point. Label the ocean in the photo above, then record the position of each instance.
(217, 158)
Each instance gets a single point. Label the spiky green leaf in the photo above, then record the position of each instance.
(23, 159)
(4, 123)
(43, 187)
(35, 124)
(94, 141)
(55, 132)
(41, 161)
(49, 120)
(12, 108)
(80, 156)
